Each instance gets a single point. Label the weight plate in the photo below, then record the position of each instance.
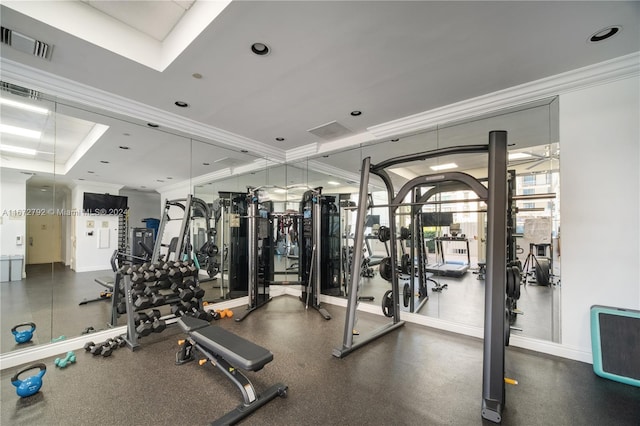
(385, 268)
(384, 234)
(406, 295)
(542, 271)
(405, 267)
(511, 289)
(405, 233)
(387, 303)
(517, 276)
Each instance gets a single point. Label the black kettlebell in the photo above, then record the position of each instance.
(30, 385)
(23, 336)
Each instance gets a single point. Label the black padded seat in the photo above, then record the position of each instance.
(236, 350)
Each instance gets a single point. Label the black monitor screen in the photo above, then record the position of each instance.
(104, 203)
(437, 219)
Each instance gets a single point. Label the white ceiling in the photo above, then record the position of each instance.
(387, 59)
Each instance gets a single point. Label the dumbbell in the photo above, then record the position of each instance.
(194, 311)
(189, 283)
(183, 293)
(153, 293)
(160, 274)
(63, 362)
(178, 310)
(188, 269)
(141, 301)
(174, 274)
(97, 349)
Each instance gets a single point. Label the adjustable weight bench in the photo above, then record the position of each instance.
(229, 352)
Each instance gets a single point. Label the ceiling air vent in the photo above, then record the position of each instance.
(26, 44)
(19, 90)
(329, 131)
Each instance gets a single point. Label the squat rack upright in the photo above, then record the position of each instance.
(495, 196)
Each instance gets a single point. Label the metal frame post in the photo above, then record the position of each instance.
(495, 283)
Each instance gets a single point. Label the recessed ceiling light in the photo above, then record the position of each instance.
(206, 164)
(181, 104)
(444, 166)
(356, 113)
(333, 182)
(279, 139)
(20, 131)
(123, 147)
(23, 106)
(280, 191)
(605, 33)
(18, 150)
(104, 162)
(196, 75)
(154, 125)
(260, 49)
(43, 189)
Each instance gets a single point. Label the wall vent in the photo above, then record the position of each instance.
(19, 90)
(25, 44)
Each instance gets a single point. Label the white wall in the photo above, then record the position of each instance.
(89, 254)
(600, 185)
(13, 202)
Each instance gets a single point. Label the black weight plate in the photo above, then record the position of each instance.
(405, 267)
(517, 276)
(405, 233)
(406, 295)
(387, 304)
(384, 234)
(542, 271)
(510, 282)
(385, 268)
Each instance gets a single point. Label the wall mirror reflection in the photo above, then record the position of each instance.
(67, 212)
(442, 228)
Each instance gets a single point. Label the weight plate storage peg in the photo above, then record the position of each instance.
(385, 268)
(31, 385)
(23, 336)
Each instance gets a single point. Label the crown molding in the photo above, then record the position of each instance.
(603, 72)
(63, 88)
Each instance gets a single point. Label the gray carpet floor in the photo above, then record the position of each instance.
(412, 376)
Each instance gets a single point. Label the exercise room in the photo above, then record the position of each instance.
(360, 213)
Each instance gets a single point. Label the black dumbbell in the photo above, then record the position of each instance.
(190, 283)
(140, 301)
(193, 311)
(177, 310)
(181, 291)
(188, 269)
(158, 325)
(93, 348)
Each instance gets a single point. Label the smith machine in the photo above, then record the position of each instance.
(496, 326)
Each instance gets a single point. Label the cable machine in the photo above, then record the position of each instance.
(260, 244)
(496, 326)
(319, 256)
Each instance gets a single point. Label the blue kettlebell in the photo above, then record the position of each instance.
(23, 336)
(30, 385)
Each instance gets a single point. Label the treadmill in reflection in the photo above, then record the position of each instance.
(450, 268)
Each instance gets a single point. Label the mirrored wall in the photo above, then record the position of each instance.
(62, 255)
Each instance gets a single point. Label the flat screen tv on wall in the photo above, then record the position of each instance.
(104, 204)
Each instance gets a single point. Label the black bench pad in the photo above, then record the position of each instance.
(236, 350)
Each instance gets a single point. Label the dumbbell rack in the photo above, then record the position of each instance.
(131, 338)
